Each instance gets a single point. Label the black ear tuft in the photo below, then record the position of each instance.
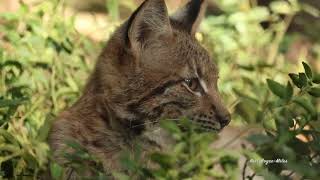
(189, 16)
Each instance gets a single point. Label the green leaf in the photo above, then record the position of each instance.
(259, 14)
(113, 8)
(259, 139)
(304, 167)
(242, 95)
(120, 176)
(75, 145)
(229, 162)
(289, 91)
(20, 166)
(9, 137)
(73, 85)
(303, 79)
(305, 104)
(128, 162)
(277, 89)
(164, 160)
(13, 102)
(307, 70)
(246, 108)
(299, 146)
(269, 175)
(56, 171)
(9, 16)
(189, 166)
(45, 129)
(281, 7)
(295, 79)
(316, 79)
(312, 10)
(315, 92)
(171, 126)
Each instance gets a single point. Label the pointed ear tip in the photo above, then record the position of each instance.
(156, 1)
(204, 2)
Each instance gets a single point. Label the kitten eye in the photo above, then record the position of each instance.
(192, 84)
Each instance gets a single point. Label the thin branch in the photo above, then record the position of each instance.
(244, 170)
(278, 39)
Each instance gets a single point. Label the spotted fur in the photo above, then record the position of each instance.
(152, 68)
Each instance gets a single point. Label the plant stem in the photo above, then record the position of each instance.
(278, 39)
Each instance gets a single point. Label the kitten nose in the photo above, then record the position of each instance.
(224, 120)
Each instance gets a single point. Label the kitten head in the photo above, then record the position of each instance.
(153, 68)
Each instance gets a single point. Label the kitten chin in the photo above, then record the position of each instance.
(158, 137)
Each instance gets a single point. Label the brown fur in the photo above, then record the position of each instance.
(152, 68)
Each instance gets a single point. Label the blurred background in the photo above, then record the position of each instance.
(48, 48)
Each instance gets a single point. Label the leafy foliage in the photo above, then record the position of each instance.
(191, 157)
(294, 131)
(43, 63)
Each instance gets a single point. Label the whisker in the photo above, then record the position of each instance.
(156, 130)
(152, 122)
(170, 119)
(142, 124)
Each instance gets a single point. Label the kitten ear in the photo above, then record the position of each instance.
(189, 16)
(151, 19)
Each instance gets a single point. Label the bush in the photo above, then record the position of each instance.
(43, 63)
(291, 129)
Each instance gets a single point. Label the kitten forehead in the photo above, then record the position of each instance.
(206, 69)
(204, 66)
(197, 59)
